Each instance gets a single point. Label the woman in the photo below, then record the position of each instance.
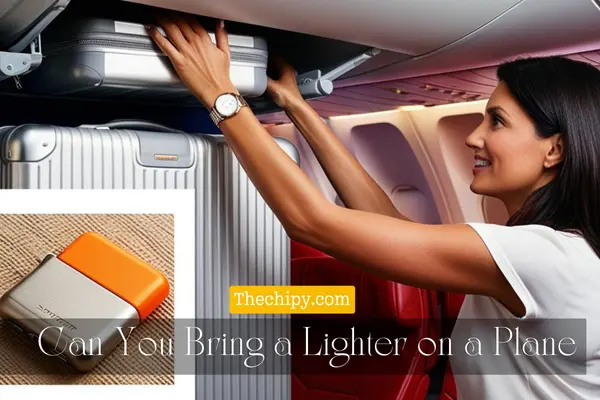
(537, 150)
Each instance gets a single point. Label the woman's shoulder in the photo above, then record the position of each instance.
(543, 265)
(540, 244)
(534, 237)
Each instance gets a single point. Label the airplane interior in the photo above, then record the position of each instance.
(409, 82)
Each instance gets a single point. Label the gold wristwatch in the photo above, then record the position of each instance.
(226, 106)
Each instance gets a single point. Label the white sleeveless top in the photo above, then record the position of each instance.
(557, 277)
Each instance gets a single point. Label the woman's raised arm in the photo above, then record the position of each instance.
(357, 189)
(439, 257)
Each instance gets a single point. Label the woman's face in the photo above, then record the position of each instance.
(509, 155)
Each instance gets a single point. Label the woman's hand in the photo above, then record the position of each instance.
(202, 66)
(284, 90)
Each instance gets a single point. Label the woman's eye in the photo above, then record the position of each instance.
(496, 122)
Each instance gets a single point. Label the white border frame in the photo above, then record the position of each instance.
(178, 202)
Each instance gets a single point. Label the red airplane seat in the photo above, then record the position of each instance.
(383, 308)
(451, 305)
(299, 250)
(449, 386)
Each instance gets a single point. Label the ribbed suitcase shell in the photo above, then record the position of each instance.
(239, 239)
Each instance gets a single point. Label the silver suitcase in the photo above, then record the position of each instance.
(99, 58)
(239, 239)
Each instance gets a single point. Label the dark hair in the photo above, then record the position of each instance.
(562, 96)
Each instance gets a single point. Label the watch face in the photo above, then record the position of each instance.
(226, 105)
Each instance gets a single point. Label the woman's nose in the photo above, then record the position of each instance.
(475, 139)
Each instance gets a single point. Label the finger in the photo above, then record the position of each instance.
(287, 70)
(275, 60)
(271, 83)
(274, 66)
(173, 33)
(273, 89)
(199, 30)
(164, 44)
(282, 68)
(278, 60)
(222, 38)
(185, 27)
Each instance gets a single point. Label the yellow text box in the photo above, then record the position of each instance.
(292, 299)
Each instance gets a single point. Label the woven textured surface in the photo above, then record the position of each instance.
(26, 239)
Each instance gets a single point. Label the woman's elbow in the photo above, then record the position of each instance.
(307, 225)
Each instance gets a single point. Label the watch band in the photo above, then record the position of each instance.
(217, 118)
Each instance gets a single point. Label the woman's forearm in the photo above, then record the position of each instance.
(357, 189)
(291, 195)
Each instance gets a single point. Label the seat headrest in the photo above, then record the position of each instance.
(375, 297)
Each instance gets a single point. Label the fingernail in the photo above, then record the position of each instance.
(222, 24)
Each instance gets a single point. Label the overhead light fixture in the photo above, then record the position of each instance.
(430, 88)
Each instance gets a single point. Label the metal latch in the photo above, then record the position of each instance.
(13, 65)
(314, 84)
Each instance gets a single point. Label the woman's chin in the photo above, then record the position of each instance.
(478, 188)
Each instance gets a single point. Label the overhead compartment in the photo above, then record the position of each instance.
(96, 35)
(332, 43)
(465, 70)
(408, 27)
(529, 28)
(22, 20)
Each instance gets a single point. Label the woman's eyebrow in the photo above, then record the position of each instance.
(497, 110)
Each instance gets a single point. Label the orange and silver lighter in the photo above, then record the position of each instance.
(93, 294)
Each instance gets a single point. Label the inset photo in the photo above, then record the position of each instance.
(75, 288)
(90, 297)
